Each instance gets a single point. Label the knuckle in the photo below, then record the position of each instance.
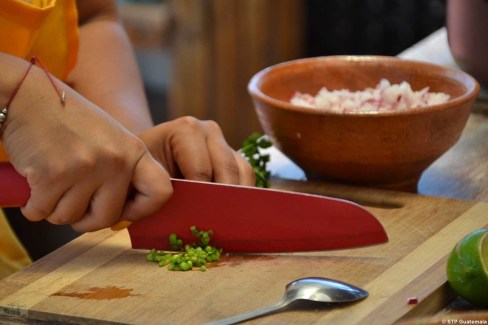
(57, 172)
(115, 159)
(34, 176)
(84, 164)
(121, 159)
(200, 173)
(189, 122)
(33, 213)
(213, 126)
(193, 124)
(47, 174)
(61, 219)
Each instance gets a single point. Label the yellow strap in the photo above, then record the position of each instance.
(13, 255)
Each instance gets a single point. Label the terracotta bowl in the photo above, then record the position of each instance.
(384, 150)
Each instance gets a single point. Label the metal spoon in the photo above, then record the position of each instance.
(312, 289)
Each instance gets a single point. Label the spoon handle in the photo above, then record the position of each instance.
(252, 314)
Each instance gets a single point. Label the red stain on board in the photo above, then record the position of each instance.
(97, 293)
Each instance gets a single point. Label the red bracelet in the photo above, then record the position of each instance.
(60, 92)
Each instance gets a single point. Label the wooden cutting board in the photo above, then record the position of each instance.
(97, 278)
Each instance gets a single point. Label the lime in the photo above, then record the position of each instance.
(467, 268)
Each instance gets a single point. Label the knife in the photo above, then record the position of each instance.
(243, 219)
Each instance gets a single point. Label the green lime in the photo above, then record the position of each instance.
(467, 268)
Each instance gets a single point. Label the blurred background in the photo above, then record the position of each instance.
(197, 56)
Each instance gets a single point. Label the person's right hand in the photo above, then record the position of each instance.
(197, 150)
(79, 162)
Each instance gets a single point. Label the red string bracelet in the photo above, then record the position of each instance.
(33, 60)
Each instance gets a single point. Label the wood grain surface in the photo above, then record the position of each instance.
(218, 46)
(462, 172)
(97, 278)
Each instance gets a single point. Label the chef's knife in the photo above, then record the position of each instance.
(243, 219)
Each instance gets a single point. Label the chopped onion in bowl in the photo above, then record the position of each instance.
(383, 98)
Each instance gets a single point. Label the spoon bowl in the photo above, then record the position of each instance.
(323, 290)
(309, 289)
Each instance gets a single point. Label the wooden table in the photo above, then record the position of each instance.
(463, 171)
(97, 278)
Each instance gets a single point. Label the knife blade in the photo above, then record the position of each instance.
(243, 219)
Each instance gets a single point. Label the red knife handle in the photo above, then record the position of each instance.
(14, 190)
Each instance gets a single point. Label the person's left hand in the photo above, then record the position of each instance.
(196, 150)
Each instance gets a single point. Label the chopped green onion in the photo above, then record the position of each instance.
(189, 256)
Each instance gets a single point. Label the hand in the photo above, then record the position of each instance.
(79, 162)
(197, 150)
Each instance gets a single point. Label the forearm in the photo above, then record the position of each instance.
(16, 87)
(11, 70)
(76, 159)
(107, 74)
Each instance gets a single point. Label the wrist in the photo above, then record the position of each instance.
(33, 71)
(12, 71)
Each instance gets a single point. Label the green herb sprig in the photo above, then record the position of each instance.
(187, 257)
(252, 151)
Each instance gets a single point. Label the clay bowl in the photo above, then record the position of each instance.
(384, 150)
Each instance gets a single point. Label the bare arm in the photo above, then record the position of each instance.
(78, 161)
(106, 72)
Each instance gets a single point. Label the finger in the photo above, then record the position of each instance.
(105, 206)
(73, 205)
(246, 173)
(152, 187)
(192, 157)
(42, 201)
(224, 165)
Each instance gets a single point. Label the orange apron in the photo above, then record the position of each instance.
(47, 29)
